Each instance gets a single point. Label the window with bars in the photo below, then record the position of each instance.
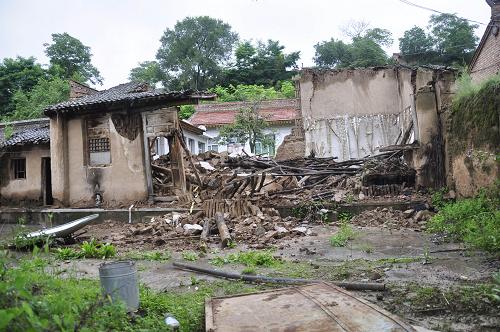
(18, 168)
(98, 142)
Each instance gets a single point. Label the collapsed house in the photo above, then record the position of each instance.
(354, 113)
(102, 145)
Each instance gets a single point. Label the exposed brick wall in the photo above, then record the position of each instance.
(78, 90)
(487, 62)
(294, 145)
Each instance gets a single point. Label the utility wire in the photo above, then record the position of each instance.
(437, 11)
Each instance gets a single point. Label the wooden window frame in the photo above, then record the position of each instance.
(14, 162)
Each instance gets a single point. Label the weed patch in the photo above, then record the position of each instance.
(475, 221)
(262, 258)
(190, 256)
(33, 300)
(344, 234)
(88, 249)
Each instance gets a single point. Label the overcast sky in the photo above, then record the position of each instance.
(123, 33)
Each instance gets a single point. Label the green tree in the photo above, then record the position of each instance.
(30, 104)
(252, 92)
(450, 41)
(365, 49)
(332, 53)
(192, 53)
(248, 127)
(147, 71)
(454, 38)
(264, 64)
(73, 57)
(17, 74)
(416, 46)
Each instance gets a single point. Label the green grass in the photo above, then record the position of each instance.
(88, 249)
(343, 235)
(399, 260)
(475, 221)
(252, 258)
(189, 255)
(474, 117)
(33, 298)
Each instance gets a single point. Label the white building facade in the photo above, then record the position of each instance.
(280, 115)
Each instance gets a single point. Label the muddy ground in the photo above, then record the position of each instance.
(430, 285)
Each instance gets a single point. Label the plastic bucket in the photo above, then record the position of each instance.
(119, 280)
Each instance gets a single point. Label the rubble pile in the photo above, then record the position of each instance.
(221, 176)
(257, 231)
(392, 219)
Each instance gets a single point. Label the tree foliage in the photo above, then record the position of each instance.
(73, 57)
(147, 71)
(192, 53)
(248, 127)
(17, 74)
(365, 49)
(30, 104)
(262, 64)
(253, 92)
(450, 40)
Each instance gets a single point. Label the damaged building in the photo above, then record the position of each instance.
(99, 149)
(25, 162)
(354, 113)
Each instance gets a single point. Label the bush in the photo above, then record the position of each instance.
(475, 221)
(88, 249)
(344, 234)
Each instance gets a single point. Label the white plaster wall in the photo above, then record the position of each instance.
(352, 113)
(279, 132)
(163, 148)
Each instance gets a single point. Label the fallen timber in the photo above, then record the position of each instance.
(263, 279)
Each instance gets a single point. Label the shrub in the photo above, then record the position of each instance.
(344, 234)
(476, 221)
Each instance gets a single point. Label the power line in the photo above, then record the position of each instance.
(437, 11)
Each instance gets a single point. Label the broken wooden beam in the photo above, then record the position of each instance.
(223, 230)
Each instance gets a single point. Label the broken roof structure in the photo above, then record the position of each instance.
(25, 132)
(126, 96)
(278, 111)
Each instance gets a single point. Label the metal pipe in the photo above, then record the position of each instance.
(130, 213)
(250, 278)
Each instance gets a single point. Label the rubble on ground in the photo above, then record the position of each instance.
(392, 219)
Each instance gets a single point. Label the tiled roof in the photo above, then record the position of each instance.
(127, 92)
(26, 132)
(218, 114)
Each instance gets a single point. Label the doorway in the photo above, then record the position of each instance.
(46, 182)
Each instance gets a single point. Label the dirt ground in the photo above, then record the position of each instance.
(420, 274)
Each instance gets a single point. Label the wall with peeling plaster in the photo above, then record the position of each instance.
(74, 182)
(352, 113)
(28, 189)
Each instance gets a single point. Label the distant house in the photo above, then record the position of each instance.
(196, 139)
(25, 162)
(486, 59)
(280, 114)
